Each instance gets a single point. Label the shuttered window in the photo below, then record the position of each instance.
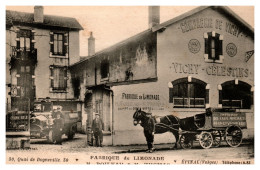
(213, 47)
(58, 78)
(59, 43)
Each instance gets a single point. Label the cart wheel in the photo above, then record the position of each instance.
(50, 136)
(233, 136)
(216, 138)
(186, 141)
(206, 140)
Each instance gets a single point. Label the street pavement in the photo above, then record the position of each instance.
(78, 147)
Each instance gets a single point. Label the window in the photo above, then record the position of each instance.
(213, 47)
(59, 78)
(236, 96)
(58, 42)
(76, 87)
(184, 94)
(104, 70)
(24, 42)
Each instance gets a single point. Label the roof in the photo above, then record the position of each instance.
(223, 9)
(24, 18)
(121, 43)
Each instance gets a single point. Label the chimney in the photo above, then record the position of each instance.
(91, 45)
(38, 14)
(154, 15)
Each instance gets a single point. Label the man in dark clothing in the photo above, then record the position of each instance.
(97, 129)
(149, 130)
(57, 129)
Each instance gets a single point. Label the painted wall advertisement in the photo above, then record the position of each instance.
(146, 102)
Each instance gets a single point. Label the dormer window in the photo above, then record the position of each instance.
(213, 47)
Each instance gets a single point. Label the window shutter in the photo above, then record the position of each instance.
(32, 40)
(220, 47)
(18, 39)
(52, 80)
(217, 46)
(170, 95)
(51, 42)
(65, 44)
(209, 46)
(206, 45)
(65, 78)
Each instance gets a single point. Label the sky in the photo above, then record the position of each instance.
(112, 24)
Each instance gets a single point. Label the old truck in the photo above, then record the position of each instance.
(41, 122)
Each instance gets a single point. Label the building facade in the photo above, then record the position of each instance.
(203, 58)
(39, 50)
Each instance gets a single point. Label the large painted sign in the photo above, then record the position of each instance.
(222, 119)
(133, 101)
(211, 70)
(218, 24)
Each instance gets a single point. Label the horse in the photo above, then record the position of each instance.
(168, 123)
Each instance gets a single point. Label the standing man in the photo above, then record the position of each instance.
(97, 129)
(149, 130)
(57, 129)
(56, 111)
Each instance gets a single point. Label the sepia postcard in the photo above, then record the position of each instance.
(108, 85)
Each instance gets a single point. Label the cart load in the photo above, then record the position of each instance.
(211, 127)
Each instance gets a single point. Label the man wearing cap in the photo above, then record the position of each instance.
(97, 129)
(149, 130)
(56, 111)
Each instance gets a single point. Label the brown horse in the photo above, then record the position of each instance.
(167, 123)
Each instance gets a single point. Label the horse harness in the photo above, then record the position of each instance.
(163, 125)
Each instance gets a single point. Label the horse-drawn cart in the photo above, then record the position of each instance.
(210, 128)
